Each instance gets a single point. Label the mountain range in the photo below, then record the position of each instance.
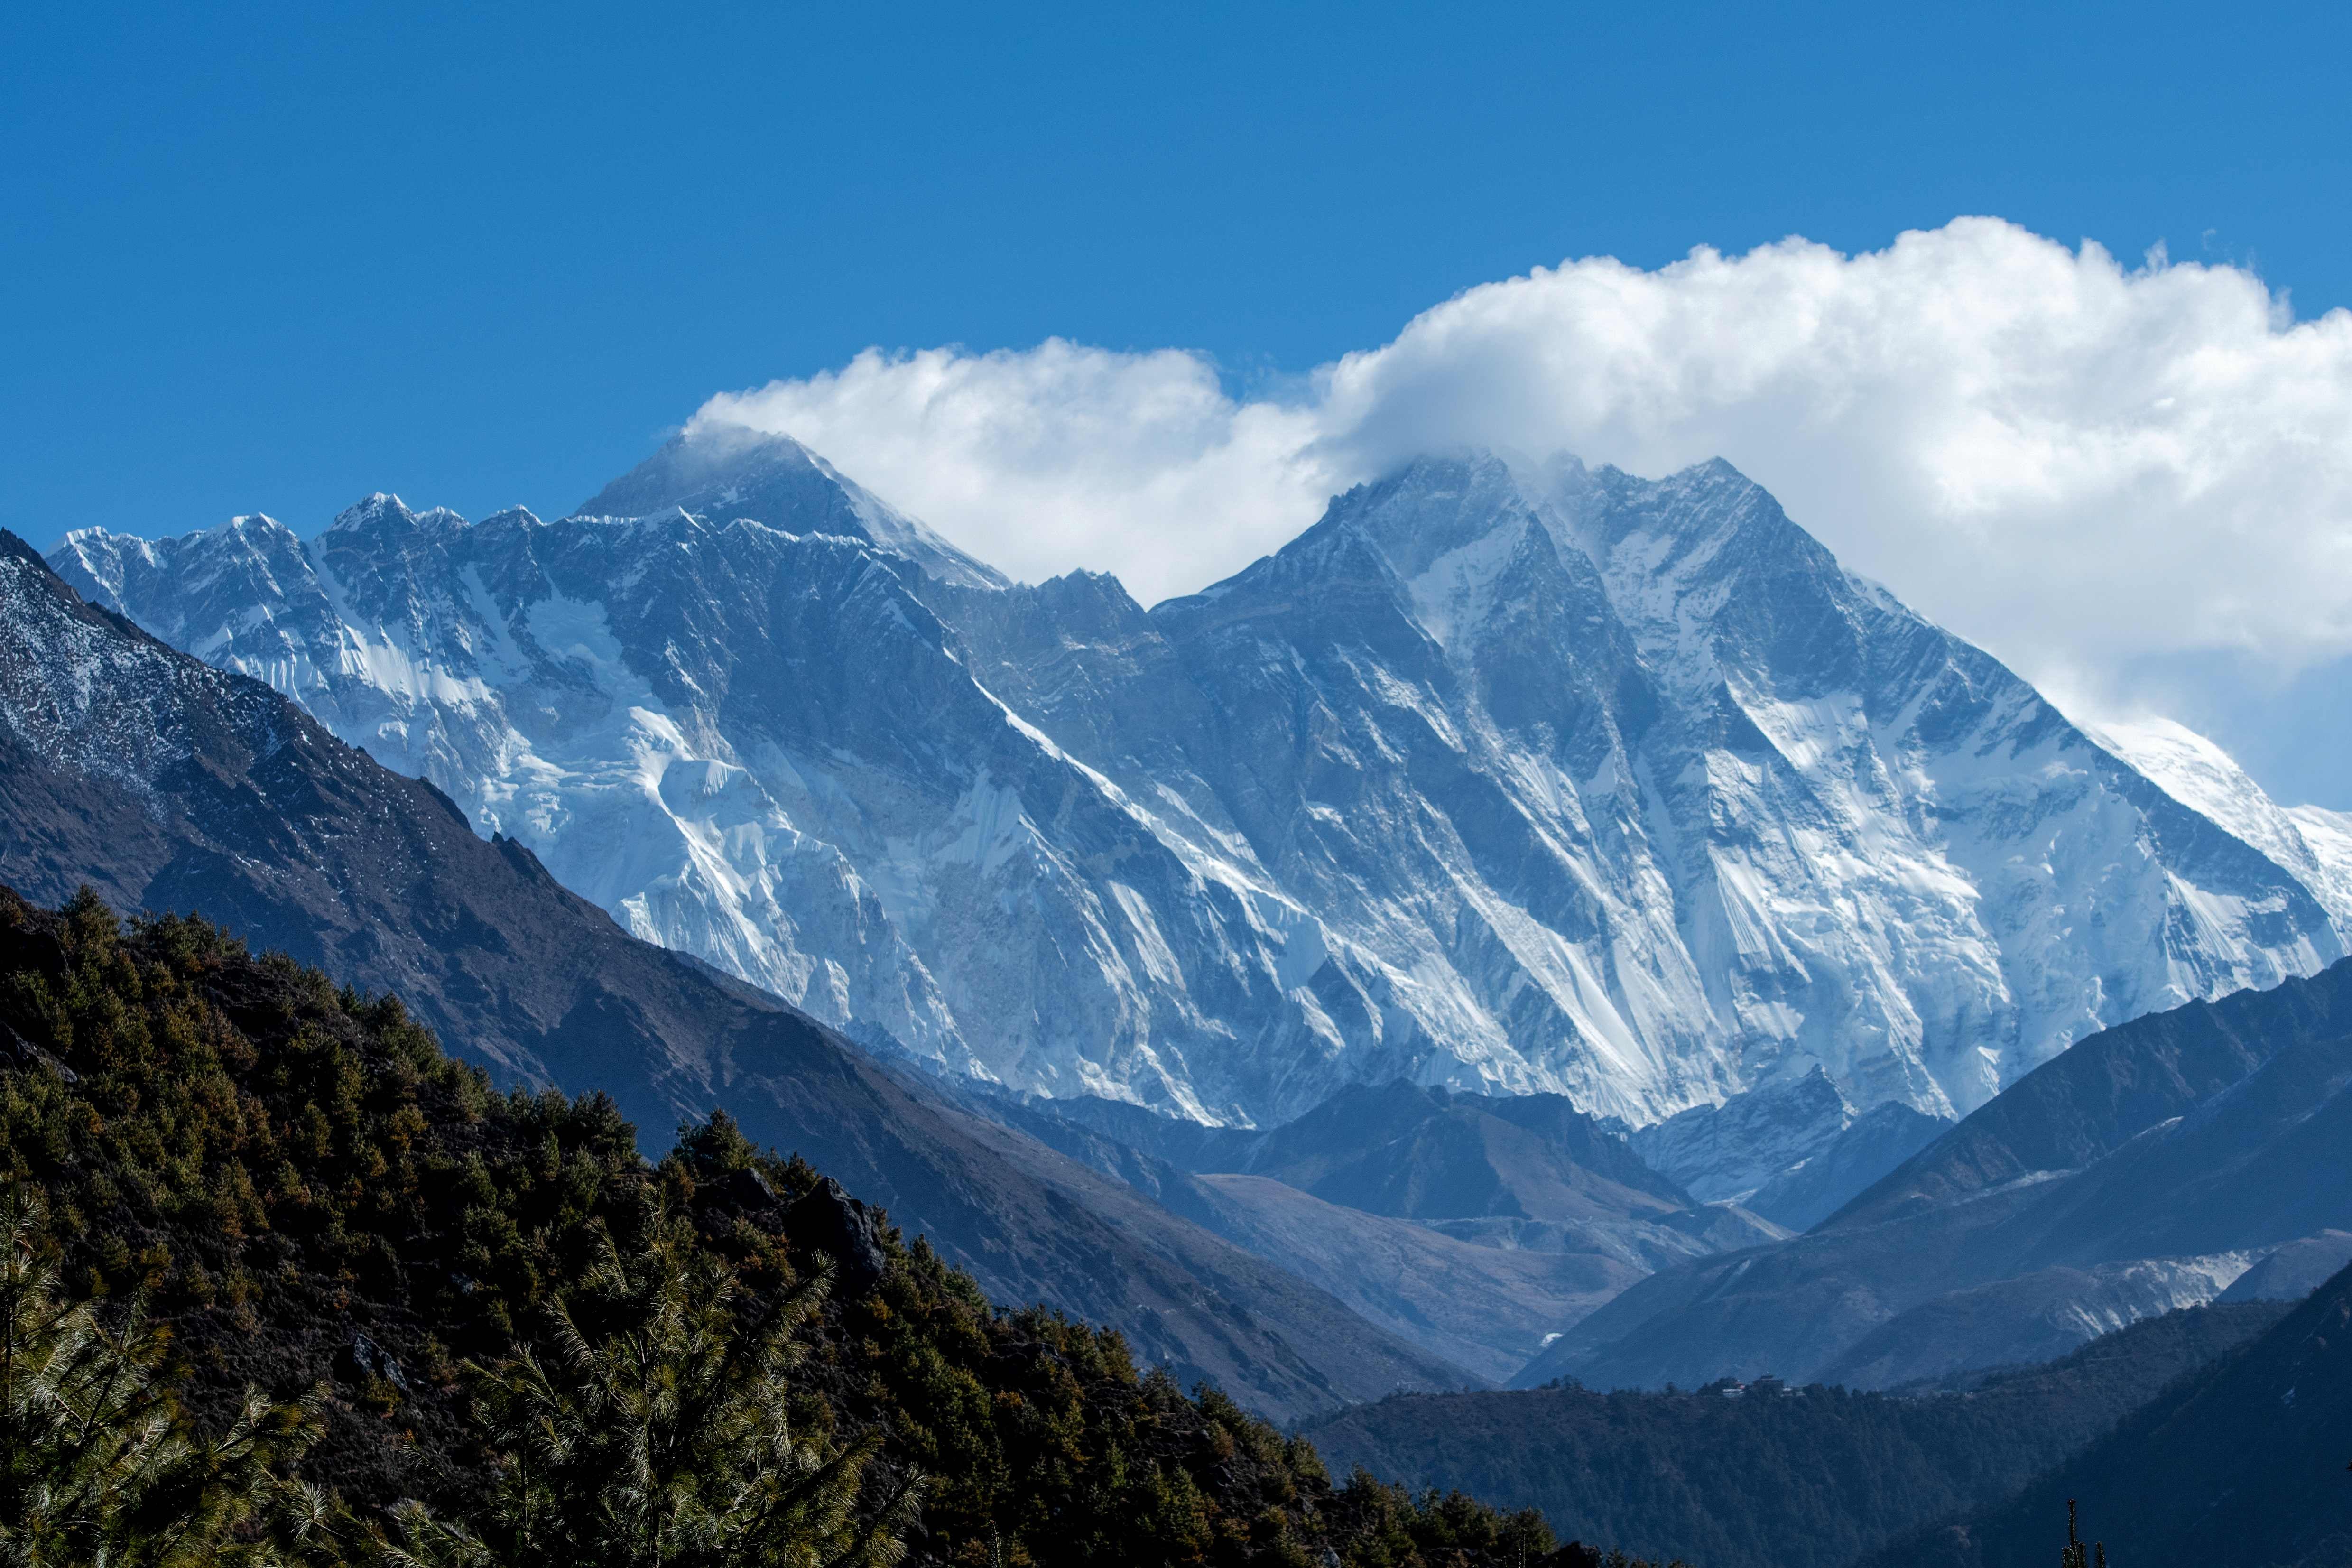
(164, 783)
(1514, 779)
(1699, 882)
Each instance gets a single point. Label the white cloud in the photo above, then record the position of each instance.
(2076, 463)
(1063, 457)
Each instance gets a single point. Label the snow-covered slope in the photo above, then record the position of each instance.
(2329, 836)
(2309, 841)
(1513, 781)
(451, 652)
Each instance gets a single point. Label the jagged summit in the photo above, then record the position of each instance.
(384, 512)
(95, 546)
(1505, 776)
(726, 471)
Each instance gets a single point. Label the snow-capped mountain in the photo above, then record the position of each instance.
(1510, 780)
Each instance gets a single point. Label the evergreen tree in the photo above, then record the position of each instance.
(98, 1463)
(2078, 1554)
(652, 1429)
(275, 1163)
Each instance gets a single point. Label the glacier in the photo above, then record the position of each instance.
(1502, 776)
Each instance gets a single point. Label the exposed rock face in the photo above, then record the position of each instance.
(844, 1230)
(2294, 1270)
(1476, 1227)
(1513, 781)
(1872, 1145)
(363, 1358)
(1719, 1151)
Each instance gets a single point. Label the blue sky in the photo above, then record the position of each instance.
(272, 258)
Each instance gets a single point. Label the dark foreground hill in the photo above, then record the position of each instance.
(308, 1191)
(166, 784)
(1805, 1479)
(2245, 1462)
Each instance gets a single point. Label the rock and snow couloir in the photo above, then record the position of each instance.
(1510, 780)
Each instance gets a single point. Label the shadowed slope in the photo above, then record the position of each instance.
(2243, 1462)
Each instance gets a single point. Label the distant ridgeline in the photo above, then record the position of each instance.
(1767, 1476)
(297, 1181)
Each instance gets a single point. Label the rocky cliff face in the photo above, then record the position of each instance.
(1510, 780)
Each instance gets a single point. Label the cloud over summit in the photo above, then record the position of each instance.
(2072, 461)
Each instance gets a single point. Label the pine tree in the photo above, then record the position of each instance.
(667, 1439)
(98, 1463)
(2078, 1555)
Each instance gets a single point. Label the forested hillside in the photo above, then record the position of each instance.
(1785, 1479)
(296, 1182)
(2242, 1462)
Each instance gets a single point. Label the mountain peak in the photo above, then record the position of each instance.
(251, 522)
(382, 510)
(1711, 470)
(726, 471)
(12, 544)
(1443, 502)
(721, 466)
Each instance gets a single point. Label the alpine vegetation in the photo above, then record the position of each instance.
(486, 1330)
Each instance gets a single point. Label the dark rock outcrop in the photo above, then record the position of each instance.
(845, 1230)
(363, 1358)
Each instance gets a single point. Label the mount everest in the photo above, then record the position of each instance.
(1508, 778)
